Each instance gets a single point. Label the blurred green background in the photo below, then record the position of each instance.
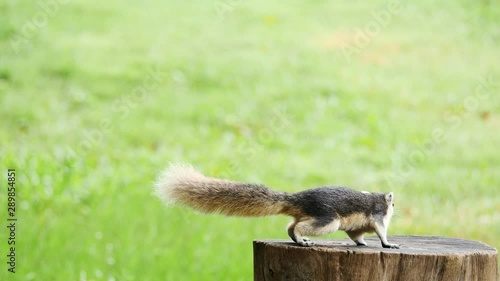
(97, 97)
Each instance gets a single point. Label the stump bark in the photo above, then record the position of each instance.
(428, 258)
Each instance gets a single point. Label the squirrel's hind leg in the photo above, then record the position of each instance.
(296, 236)
(357, 237)
(312, 227)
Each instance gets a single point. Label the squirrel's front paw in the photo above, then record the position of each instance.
(392, 246)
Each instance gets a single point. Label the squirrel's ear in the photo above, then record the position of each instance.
(389, 197)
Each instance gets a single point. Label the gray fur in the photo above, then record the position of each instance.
(323, 203)
(315, 211)
(327, 209)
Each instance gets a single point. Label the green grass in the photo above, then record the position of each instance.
(87, 128)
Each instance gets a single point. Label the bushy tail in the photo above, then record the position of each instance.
(184, 185)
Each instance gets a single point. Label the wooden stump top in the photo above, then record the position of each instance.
(419, 258)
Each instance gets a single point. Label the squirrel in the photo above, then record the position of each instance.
(315, 212)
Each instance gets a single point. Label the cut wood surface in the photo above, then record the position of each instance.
(426, 258)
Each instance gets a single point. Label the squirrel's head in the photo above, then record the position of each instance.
(384, 206)
(389, 200)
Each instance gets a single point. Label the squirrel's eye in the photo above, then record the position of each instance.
(393, 204)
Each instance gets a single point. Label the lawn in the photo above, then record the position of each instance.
(96, 98)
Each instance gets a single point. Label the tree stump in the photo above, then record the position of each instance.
(428, 258)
